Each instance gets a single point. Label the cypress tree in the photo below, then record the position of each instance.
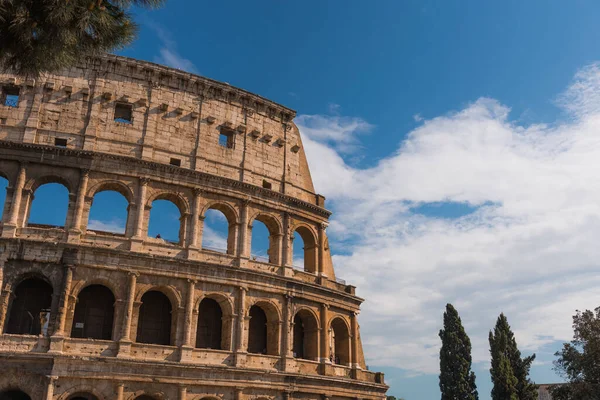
(509, 372)
(457, 381)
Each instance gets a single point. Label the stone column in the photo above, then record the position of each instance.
(243, 247)
(238, 394)
(80, 202)
(137, 239)
(120, 389)
(321, 249)
(141, 200)
(239, 332)
(354, 340)
(186, 348)
(125, 340)
(9, 228)
(4, 301)
(286, 347)
(64, 299)
(182, 393)
(287, 241)
(193, 242)
(324, 334)
(50, 387)
(275, 248)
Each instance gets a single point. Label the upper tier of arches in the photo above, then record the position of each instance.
(74, 201)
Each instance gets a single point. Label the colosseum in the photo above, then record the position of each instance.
(93, 315)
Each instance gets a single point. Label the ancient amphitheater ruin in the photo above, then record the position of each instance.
(94, 315)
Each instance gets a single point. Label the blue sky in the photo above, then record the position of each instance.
(457, 144)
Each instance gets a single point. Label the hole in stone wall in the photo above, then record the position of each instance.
(226, 139)
(60, 142)
(175, 161)
(124, 113)
(10, 96)
(267, 185)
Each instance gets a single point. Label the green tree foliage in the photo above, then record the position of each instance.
(579, 361)
(393, 398)
(38, 36)
(510, 372)
(457, 381)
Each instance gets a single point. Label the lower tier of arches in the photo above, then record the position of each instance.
(32, 378)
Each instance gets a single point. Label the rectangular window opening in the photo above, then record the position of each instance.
(226, 139)
(175, 161)
(124, 113)
(60, 142)
(11, 96)
(267, 185)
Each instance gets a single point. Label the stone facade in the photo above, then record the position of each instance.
(95, 315)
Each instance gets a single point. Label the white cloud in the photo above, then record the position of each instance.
(530, 249)
(168, 53)
(114, 225)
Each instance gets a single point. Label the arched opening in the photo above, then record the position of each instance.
(220, 229)
(94, 313)
(165, 221)
(30, 308)
(108, 212)
(264, 239)
(83, 396)
(257, 332)
(305, 250)
(209, 331)
(340, 342)
(154, 322)
(3, 187)
(49, 205)
(306, 336)
(263, 329)
(14, 395)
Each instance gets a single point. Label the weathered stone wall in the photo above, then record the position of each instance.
(174, 115)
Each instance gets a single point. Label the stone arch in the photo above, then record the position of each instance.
(31, 188)
(227, 209)
(84, 390)
(339, 340)
(14, 394)
(142, 395)
(94, 313)
(33, 385)
(305, 343)
(231, 215)
(310, 250)
(227, 322)
(82, 284)
(266, 336)
(272, 223)
(180, 202)
(275, 230)
(111, 185)
(33, 184)
(177, 198)
(171, 292)
(157, 316)
(30, 305)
